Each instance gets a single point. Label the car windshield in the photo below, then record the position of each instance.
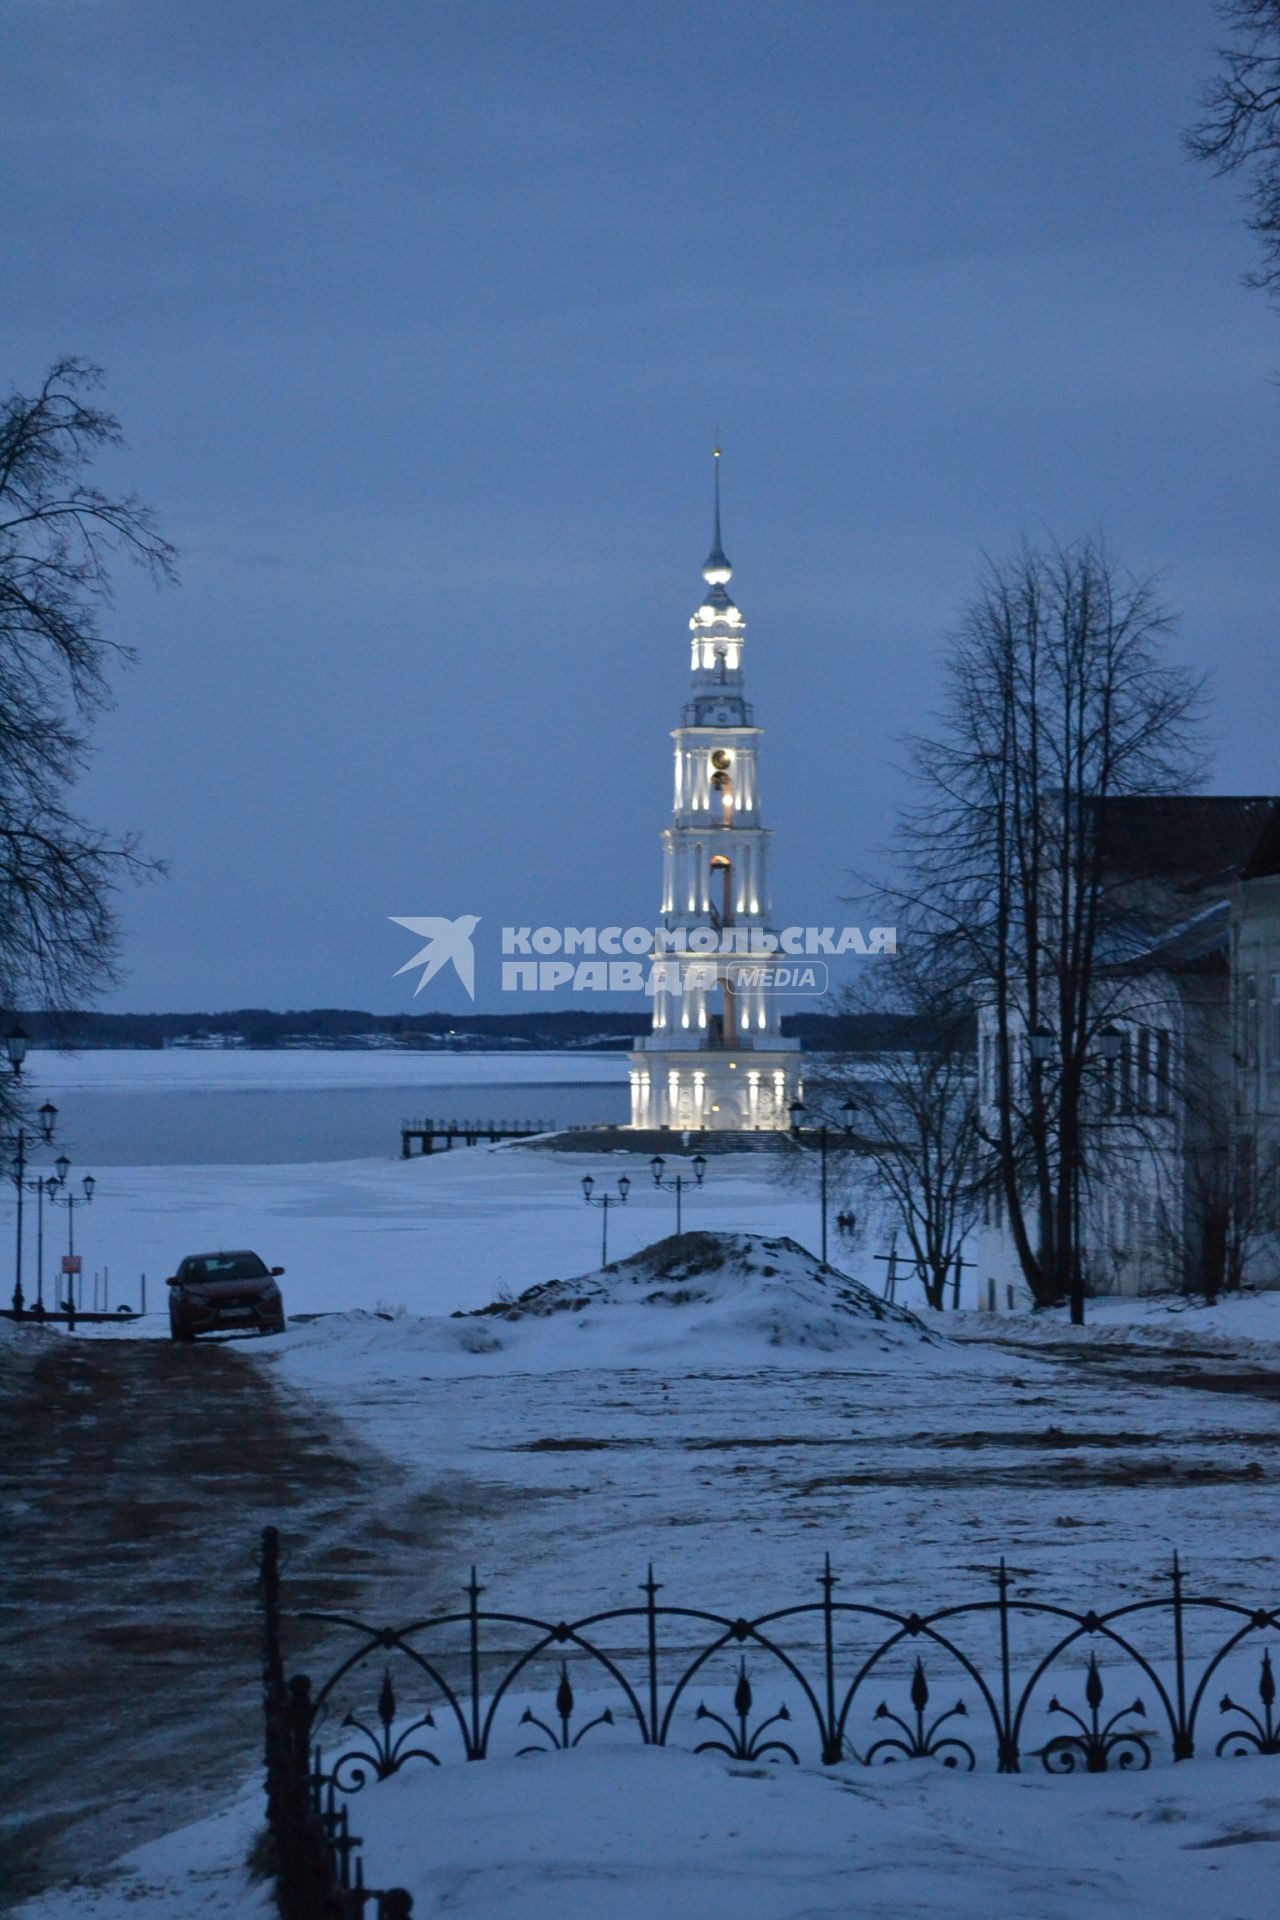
(226, 1266)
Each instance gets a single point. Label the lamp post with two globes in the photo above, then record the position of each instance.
(798, 1114)
(681, 1181)
(604, 1201)
(61, 1195)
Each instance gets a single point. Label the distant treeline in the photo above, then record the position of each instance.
(345, 1027)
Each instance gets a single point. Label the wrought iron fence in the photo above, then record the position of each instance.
(318, 1865)
(849, 1682)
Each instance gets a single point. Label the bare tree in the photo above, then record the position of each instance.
(916, 1142)
(58, 534)
(1230, 1214)
(1219, 1222)
(1240, 127)
(1058, 698)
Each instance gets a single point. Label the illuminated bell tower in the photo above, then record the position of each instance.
(716, 1059)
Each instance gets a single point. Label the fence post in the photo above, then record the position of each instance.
(831, 1742)
(476, 1751)
(1183, 1742)
(1009, 1760)
(651, 1588)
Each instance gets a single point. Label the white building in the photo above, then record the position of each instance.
(1183, 1114)
(716, 1059)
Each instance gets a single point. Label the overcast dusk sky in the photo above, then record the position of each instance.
(422, 320)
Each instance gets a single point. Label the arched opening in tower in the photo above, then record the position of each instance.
(729, 1018)
(722, 781)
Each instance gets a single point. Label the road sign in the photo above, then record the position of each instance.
(71, 1263)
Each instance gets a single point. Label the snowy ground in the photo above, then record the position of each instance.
(1085, 1464)
(637, 1834)
(732, 1438)
(733, 1433)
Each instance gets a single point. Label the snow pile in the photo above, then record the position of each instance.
(695, 1301)
(715, 1283)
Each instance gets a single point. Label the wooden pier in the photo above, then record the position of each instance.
(427, 1132)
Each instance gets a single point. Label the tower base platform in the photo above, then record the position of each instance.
(714, 1090)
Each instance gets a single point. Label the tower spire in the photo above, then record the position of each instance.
(715, 456)
(717, 569)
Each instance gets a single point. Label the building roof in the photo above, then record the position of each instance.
(1201, 944)
(1193, 840)
(1265, 858)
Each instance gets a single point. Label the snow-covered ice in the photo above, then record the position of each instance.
(237, 1069)
(429, 1234)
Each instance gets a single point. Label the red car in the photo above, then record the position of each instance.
(214, 1291)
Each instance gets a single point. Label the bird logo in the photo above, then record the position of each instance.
(446, 940)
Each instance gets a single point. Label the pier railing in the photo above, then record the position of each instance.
(427, 1132)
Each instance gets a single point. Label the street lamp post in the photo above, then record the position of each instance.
(44, 1184)
(604, 1201)
(15, 1045)
(19, 1144)
(48, 1185)
(678, 1185)
(798, 1111)
(60, 1195)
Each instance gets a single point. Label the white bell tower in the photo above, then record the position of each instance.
(716, 1059)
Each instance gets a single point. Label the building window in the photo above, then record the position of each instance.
(1164, 1071)
(1140, 1080)
(1124, 1077)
